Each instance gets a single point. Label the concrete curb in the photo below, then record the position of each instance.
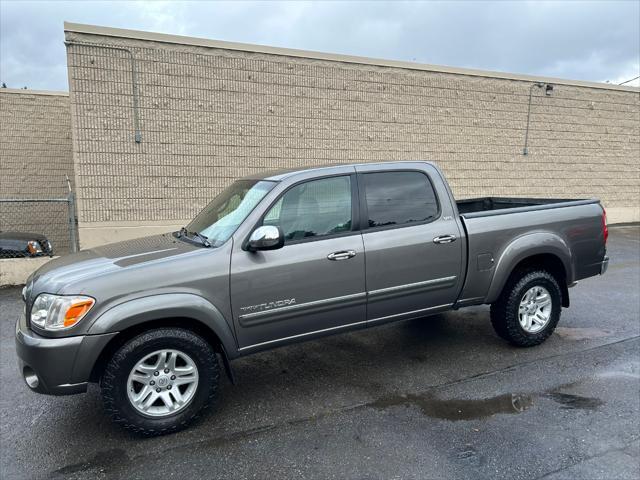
(15, 271)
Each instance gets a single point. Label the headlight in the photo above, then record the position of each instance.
(34, 247)
(57, 312)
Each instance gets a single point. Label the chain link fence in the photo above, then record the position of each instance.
(36, 227)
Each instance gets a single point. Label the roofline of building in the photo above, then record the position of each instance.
(290, 52)
(33, 92)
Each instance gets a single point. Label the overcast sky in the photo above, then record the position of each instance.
(590, 40)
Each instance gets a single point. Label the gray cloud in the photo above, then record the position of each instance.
(592, 40)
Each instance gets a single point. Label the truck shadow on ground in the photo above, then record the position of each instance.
(367, 355)
(359, 362)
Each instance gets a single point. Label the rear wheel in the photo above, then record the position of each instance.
(528, 310)
(160, 381)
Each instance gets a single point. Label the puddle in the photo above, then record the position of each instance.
(570, 333)
(460, 409)
(511, 403)
(569, 401)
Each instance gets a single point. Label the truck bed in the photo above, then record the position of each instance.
(486, 206)
(492, 226)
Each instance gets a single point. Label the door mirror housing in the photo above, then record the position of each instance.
(267, 237)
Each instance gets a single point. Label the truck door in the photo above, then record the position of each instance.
(315, 283)
(412, 243)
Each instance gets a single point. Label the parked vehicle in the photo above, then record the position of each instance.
(290, 256)
(21, 244)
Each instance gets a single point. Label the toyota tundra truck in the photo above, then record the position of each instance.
(290, 256)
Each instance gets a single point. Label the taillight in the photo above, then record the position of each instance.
(605, 229)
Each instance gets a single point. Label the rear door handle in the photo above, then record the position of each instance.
(445, 239)
(342, 255)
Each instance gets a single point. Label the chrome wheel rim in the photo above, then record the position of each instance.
(535, 309)
(162, 383)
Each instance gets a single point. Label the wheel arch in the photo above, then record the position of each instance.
(545, 251)
(185, 323)
(188, 311)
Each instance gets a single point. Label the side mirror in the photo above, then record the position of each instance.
(266, 237)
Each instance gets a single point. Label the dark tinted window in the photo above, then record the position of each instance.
(313, 209)
(398, 198)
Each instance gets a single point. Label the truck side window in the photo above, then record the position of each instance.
(313, 209)
(399, 198)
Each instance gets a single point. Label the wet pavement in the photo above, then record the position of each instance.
(440, 397)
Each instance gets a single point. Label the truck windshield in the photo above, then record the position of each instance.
(224, 214)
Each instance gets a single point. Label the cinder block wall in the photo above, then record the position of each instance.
(210, 112)
(35, 157)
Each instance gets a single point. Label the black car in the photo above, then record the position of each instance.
(21, 244)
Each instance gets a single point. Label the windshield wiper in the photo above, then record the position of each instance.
(186, 233)
(205, 241)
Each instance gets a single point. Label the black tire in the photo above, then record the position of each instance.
(114, 380)
(504, 312)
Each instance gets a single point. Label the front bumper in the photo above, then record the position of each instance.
(57, 366)
(604, 266)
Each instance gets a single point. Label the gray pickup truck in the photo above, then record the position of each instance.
(290, 256)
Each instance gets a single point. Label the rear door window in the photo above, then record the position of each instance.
(399, 198)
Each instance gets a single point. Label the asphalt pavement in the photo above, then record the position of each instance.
(439, 397)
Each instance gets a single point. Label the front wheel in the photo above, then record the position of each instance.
(528, 309)
(160, 381)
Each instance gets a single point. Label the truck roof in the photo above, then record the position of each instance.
(328, 169)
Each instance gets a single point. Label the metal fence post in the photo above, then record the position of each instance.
(73, 234)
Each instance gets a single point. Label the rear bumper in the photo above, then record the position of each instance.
(57, 366)
(604, 266)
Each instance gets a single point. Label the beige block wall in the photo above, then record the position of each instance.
(211, 112)
(35, 144)
(35, 157)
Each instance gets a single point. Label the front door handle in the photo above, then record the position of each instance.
(342, 255)
(445, 239)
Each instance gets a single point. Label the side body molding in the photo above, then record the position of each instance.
(162, 306)
(527, 246)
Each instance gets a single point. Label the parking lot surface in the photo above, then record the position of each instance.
(439, 397)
